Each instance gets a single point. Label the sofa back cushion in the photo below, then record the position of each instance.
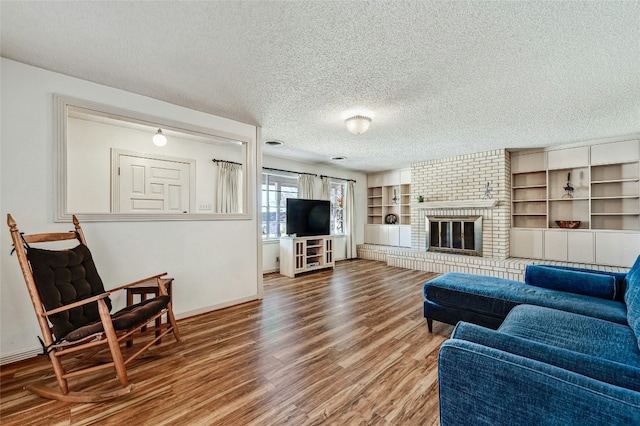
(588, 283)
(632, 298)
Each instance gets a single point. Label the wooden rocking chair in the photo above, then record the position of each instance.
(68, 294)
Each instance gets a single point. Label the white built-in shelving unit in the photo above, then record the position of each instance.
(604, 195)
(389, 208)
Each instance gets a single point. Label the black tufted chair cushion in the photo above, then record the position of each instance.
(125, 319)
(66, 276)
(63, 277)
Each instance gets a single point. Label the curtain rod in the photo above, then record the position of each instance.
(288, 171)
(225, 161)
(333, 177)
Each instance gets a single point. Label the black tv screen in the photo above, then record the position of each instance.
(307, 218)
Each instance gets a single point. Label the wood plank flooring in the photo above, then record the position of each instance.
(343, 347)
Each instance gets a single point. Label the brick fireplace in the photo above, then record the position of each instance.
(467, 186)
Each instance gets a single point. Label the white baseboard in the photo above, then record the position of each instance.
(33, 352)
(216, 307)
(20, 355)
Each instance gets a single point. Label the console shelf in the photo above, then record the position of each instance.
(304, 254)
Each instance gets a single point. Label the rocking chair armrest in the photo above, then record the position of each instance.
(122, 287)
(75, 304)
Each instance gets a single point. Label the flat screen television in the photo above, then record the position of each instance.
(307, 218)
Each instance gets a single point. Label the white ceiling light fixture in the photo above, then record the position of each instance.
(159, 139)
(358, 124)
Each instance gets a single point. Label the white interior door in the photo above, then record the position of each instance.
(151, 185)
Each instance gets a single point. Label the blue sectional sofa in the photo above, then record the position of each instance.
(567, 352)
(486, 301)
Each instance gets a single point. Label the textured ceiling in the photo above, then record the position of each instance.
(438, 78)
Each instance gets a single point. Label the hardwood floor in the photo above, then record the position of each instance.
(343, 347)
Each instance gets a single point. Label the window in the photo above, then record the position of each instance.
(336, 195)
(275, 191)
(276, 188)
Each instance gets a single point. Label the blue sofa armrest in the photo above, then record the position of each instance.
(484, 386)
(601, 369)
(605, 285)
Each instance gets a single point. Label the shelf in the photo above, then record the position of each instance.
(617, 214)
(529, 186)
(597, 182)
(531, 201)
(619, 197)
(529, 214)
(569, 199)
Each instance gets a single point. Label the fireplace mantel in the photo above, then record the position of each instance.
(459, 204)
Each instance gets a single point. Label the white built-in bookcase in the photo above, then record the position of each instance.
(604, 179)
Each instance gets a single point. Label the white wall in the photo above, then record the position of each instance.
(271, 248)
(215, 263)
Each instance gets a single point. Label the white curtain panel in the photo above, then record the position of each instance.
(350, 220)
(229, 188)
(305, 186)
(326, 188)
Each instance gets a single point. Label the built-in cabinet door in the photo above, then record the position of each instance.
(555, 245)
(383, 234)
(405, 176)
(569, 246)
(391, 178)
(527, 243)
(617, 249)
(374, 180)
(529, 162)
(371, 234)
(375, 234)
(580, 247)
(615, 152)
(405, 235)
(388, 235)
(393, 235)
(568, 158)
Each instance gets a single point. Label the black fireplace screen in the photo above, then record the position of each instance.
(455, 234)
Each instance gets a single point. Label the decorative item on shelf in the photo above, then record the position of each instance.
(420, 198)
(568, 224)
(391, 219)
(395, 197)
(568, 189)
(487, 191)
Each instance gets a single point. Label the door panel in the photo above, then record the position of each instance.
(152, 185)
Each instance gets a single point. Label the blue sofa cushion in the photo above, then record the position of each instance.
(578, 333)
(604, 370)
(632, 299)
(497, 296)
(573, 281)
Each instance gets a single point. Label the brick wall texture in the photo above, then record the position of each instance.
(464, 178)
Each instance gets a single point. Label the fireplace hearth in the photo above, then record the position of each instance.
(454, 234)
